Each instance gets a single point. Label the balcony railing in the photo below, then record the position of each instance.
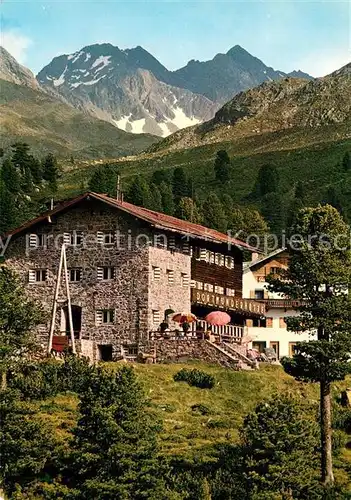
(281, 303)
(220, 301)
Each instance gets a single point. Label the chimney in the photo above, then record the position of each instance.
(254, 256)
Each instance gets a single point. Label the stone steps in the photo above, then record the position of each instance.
(247, 363)
(231, 356)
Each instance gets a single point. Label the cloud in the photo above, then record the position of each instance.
(15, 43)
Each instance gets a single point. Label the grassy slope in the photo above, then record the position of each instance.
(190, 434)
(47, 124)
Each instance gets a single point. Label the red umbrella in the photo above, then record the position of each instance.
(184, 318)
(218, 318)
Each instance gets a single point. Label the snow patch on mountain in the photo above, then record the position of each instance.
(101, 61)
(61, 79)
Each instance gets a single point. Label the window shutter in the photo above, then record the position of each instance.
(98, 317)
(100, 273)
(156, 318)
(156, 273)
(100, 237)
(33, 240)
(171, 243)
(185, 279)
(203, 254)
(282, 323)
(67, 238)
(170, 274)
(32, 276)
(193, 284)
(186, 247)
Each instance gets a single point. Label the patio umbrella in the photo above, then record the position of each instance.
(218, 318)
(184, 317)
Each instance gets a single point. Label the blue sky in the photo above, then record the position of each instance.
(297, 34)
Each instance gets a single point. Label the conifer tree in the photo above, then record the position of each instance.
(115, 448)
(179, 184)
(10, 176)
(188, 210)
(8, 212)
(222, 166)
(346, 162)
(168, 206)
(318, 276)
(139, 192)
(273, 210)
(156, 198)
(51, 171)
(159, 176)
(267, 181)
(214, 215)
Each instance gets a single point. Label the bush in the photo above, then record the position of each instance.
(202, 409)
(195, 378)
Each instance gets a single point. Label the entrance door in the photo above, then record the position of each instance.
(76, 320)
(275, 346)
(259, 345)
(105, 352)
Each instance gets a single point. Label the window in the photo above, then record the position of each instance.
(131, 350)
(107, 238)
(229, 262)
(203, 254)
(171, 243)
(185, 279)
(37, 275)
(282, 323)
(274, 270)
(259, 345)
(292, 348)
(156, 318)
(199, 285)
(269, 322)
(211, 257)
(105, 316)
(156, 273)
(259, 294)
(75, 275)
(275, 345)
(208, 287)
(170, 276)
(230, 292)
(219, 290)
(219, 259)
(37, 240)
(74, 239)
(186, 248)
(105, 273)
(192, 284)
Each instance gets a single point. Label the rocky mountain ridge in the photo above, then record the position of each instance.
(134, 91)
(12, 71)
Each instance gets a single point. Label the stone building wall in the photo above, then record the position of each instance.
(127, 293)
(162, 294)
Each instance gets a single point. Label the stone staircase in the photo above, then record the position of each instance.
(236, 359)
(245, 362)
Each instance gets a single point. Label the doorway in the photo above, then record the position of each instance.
(76, 320)
(105, 352)
(275, 346)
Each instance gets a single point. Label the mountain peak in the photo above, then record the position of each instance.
(12, 71)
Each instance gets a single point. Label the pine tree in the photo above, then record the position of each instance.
(179, 184)
(273, 210)
(139, 192)
(27, 181)
(318, 275)
(51, 171)
(267, 181)
(10, 176)
(115, 449)
(188, 210)
(222, 166)
(279, 446)
(168, 206)
(214, 215)
(346, 162)
(156, 198)
(8, 211)
(159, 176)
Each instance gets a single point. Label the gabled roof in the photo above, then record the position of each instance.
(156, 219)
(262, 260)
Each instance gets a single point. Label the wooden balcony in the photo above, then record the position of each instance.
(235, 304)
(280, 303)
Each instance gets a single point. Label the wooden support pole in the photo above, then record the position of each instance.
(54, 307)
(69, 305)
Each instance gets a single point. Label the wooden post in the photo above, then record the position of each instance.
(54, 307)
(69, 305)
